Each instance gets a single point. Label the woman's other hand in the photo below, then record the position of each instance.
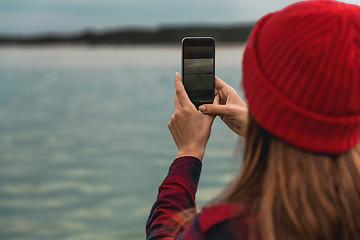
(189, 128)
(229, 106)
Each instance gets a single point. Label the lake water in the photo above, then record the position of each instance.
(84, 142)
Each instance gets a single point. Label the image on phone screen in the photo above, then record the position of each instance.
(198, 70)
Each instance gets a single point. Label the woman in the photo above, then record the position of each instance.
(301, 173)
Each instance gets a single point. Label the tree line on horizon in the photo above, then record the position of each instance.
(162, 35)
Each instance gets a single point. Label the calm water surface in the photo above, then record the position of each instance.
(84, 142)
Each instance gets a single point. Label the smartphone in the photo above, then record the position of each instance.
(198, 69)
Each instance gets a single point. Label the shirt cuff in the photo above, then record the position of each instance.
(186, 167)
(186, 170)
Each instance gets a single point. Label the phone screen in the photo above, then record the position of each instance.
(199, 69)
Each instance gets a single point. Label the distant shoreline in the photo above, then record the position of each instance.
(105, 46)
(166, 35)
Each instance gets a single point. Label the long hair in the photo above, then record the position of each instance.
(296, 194)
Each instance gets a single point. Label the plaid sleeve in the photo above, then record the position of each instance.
(176, 194)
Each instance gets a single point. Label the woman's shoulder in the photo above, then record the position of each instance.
(231, 219)
(212, 215)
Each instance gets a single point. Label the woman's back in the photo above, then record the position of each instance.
(301, 172)
(296, 194)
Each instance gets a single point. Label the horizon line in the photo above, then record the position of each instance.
(94, 30)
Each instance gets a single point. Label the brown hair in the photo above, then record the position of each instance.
(296, 194)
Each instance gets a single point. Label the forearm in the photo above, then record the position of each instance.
(176, 194)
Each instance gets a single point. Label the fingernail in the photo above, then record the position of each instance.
(202, 108)
(177, 74)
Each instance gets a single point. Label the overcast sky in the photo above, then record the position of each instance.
(37, 16)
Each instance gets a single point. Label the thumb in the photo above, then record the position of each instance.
(215, 109)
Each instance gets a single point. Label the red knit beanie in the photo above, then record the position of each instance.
(301, 75)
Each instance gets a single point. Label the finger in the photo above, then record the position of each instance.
(219, 83)
(215, 109)
(216, 99)
(223, 97)
(210, 118)
(180, 91)
(176, 102)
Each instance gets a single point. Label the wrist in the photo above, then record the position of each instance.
(191, 152)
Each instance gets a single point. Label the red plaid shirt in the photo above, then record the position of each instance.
(177, 194)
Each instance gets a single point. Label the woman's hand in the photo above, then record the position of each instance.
(189, 128)
(229, 106)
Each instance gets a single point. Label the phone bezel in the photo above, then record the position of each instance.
(197, 42)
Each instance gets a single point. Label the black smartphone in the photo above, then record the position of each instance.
(198, 69)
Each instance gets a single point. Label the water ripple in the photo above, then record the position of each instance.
(55, 187)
